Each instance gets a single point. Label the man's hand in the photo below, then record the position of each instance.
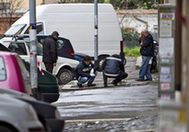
(92, 74)
(54, 64)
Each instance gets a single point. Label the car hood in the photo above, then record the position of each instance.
(42, 108)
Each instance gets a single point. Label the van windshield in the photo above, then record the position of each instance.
(15, 30)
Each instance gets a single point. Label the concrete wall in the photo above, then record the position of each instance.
(139, 21)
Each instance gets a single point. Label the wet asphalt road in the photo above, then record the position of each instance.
(107, 102)
(129, 107)
(125, 108)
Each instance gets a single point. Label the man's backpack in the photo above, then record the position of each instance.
(155, 47)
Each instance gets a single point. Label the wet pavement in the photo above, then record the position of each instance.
(131, 106)
(134, 108)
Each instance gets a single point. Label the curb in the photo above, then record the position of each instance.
(100, 86)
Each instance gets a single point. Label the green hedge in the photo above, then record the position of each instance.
(130, 38)
(132, 52)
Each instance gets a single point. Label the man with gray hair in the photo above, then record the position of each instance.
(147, 52)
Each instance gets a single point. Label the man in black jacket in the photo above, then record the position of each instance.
(147, 52)
(50, 51)
(85, 72)
(113, 66)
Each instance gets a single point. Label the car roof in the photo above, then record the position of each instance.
(7, 53)
(22, 36)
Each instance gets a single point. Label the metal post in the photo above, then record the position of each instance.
(186, 60)
(178, 46)
(166, 23)
(96, 30)
(33, 47)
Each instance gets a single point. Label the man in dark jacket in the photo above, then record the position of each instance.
(147, 52)
(50, 51)
(85, 72)
(113, 66)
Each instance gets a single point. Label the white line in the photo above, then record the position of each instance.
(93, 120)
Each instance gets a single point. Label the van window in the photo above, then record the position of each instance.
(19, 48)
(2, 70)
(15, 29)
(40, 29)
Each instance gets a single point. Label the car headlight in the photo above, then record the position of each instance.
(31, 112)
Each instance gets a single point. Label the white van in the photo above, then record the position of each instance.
(76, 22)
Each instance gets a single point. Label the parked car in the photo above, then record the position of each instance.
(15, 75)
(48, 114)
(64, 70)
(18, 116)
(79, 56)
(48, 88)
(65, 48)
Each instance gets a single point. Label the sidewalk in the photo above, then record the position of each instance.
(130, 81)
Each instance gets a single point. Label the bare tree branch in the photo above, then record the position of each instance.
(8, 11)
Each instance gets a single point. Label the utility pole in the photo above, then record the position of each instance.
(33, 48)
(186, 60)
(96, 30)
(178, 46)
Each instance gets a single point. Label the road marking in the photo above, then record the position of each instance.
(94, 120)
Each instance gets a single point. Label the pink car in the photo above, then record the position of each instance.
(13, 74)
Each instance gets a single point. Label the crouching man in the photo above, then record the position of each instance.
(85, 72)
(114, 67)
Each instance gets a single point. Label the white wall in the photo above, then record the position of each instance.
(131, 22)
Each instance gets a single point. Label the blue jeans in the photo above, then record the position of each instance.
(145, 69)
(82, 80)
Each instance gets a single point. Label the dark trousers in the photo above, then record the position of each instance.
(145, 69)
(49, 67)
(82, 80)
(121, 76)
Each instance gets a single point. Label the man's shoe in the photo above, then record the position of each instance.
(139, 79)
(91, 85)
(114, 83)
(79, 85)
(148, 80)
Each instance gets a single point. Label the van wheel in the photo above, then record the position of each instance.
(6, 129)
(100, 61)
(64, 76)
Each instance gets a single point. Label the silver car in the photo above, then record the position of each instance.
(47, 114)
(18, 116)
